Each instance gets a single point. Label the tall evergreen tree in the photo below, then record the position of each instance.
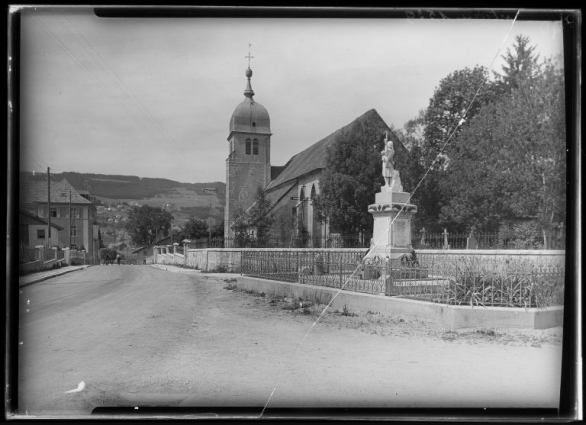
(521, 66)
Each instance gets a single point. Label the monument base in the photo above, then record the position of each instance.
(392, 225)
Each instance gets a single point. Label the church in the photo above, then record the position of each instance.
(290, 188)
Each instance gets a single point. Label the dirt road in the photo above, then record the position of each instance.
(141, 335)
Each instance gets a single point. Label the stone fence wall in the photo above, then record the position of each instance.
(229, 259)
(46, 259)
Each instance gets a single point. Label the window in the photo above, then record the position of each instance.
(64, 194)
(55, 213)
(73, 230)
(255, 147)
(247, 146)
(40, 233)
(74, 212)
(253, 124)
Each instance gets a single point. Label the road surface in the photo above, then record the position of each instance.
(138, 335)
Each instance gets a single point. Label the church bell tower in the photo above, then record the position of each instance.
(248, 165)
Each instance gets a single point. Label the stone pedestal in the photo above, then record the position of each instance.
(391, 240)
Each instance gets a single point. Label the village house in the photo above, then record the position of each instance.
(78, 228)
(32, 230)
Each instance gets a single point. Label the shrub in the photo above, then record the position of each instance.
(509, 283)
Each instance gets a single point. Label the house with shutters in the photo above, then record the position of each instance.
(71, 211)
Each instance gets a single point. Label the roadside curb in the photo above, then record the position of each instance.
(176, 269)
(46, 277)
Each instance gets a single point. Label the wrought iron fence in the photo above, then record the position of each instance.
(461, 281)
(494, 240)
(330, 241)
(290, 265)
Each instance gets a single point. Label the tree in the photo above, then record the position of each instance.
(521, 66)
(254, 225)
(240, 228)
(352, 176)
(218, 230)
(511, 158)
(145, 223)
(259, 217)
(195, 229)
(457, 99)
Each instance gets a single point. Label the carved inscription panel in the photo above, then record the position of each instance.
(401, 233)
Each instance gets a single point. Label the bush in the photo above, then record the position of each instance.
(509, 283)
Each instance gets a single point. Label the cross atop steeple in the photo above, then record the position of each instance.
(249, 57)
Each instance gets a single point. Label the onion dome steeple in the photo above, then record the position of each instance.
(248, 92)
(250, 116)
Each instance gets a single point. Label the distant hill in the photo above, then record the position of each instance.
(129, 187)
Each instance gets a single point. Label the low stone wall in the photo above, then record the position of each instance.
(178, 259)
(229, 259)
(434, 315)
(37, 266)
(31, 267)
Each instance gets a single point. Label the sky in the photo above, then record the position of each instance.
(154, 97)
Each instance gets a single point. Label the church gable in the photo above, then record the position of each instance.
(314, 157)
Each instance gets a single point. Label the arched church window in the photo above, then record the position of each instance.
(255, 147)
(248, 143)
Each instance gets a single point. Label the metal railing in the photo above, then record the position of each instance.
(463, 281)
(490, 240)
(331, 241)
(425, 240)
(290, 265)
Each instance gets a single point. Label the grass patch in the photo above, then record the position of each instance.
(220, 269)
(347, 312)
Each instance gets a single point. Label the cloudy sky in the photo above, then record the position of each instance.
(153, 97)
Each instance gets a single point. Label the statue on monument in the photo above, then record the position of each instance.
(391, 176)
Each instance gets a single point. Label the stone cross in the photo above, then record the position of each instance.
(446, 244)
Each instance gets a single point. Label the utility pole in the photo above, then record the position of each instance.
(49, 202)
(211, 190)
(70, 219)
